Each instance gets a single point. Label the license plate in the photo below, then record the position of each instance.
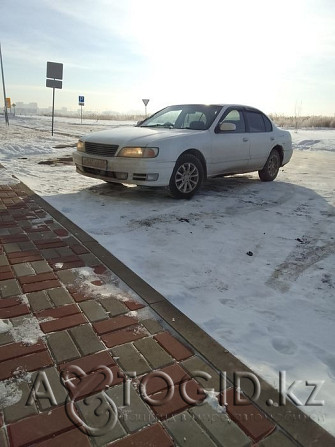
(95, 163)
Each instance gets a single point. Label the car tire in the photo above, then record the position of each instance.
(271, 167)
(187, 177)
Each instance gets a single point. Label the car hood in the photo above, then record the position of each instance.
(136, 136)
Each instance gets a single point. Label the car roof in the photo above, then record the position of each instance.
(240, 106)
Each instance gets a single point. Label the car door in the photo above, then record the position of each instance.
(230, 149)
(260, 134)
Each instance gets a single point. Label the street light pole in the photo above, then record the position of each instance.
(4, 89)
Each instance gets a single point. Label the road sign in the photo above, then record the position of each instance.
(8, 103)
(54, 83)
(81, 100)
(145, 101)
(54, 70)
(54, 80)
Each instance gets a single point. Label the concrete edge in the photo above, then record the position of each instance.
(300, 428)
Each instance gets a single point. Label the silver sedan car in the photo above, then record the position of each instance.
(182, 145)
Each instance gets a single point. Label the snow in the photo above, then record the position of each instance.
(275, 310)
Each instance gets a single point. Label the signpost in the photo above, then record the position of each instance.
(54, 80)
(4, 89)
(145, 102)
(81, 103)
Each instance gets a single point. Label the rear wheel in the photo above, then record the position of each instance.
(186, 177)
(271, 167)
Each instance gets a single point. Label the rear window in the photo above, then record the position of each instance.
(255, 121)
(258, 122)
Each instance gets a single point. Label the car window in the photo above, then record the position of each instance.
(235, 116)
(194, 118)
(268, 124)
(187, 116)
(255, 121)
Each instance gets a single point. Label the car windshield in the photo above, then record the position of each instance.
(190, 116)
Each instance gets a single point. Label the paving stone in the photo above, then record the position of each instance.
(91, 362)
(161, 379)
(277, 439)
(20, 410)
(14, 311)
(67, 276)
(63, 322)
(134, 305)
(225, 432)
(130, 359)
(24, 256)
(9, 287)
(49, 253)
(114, 306)
(39, 301)
(173, 346)
(89, 259)
(113, 324)
(153, 353)
(3, 260)
(11, 248)
(177, 399)
(30, 362)
(71, 438)
(153, 326)
(3, 437)
(41, 267)
(41, 285)
(95, 382)
(86, 339)
(62, 346)
(60, 296)
(24, 246)
(248, 417)
(5, 338)
(36, 428)
(23, 269)
(46, 382)
(134, 414)
(186, 432)
(41, 277)
(93, 310)
(153, 436)
(98, 413)
(59, 312)
(195, 365)
(122, 336)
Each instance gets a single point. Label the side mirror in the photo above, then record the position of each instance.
(224, 127)
(139, 123)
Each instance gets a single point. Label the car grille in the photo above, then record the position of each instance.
(105, 150)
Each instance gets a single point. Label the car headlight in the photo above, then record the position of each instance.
(138, 152)
(81, 146)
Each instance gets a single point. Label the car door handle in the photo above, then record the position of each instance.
(245, 139)
(272, 138)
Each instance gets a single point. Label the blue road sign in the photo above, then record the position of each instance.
(81, 99)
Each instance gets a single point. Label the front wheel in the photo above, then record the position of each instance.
(271, 167)
(186, 177)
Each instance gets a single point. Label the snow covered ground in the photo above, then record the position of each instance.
(275, 310)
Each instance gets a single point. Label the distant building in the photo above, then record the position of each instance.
(26, 109)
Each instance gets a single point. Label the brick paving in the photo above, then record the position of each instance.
(77, 335)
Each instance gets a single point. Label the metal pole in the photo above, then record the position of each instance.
(4, 89)
(53, 109)
(81, 114)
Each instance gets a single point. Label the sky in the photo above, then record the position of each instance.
(277, 56)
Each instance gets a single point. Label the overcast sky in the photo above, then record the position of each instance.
(277, 56)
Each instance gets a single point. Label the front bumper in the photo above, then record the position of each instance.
(146, 172)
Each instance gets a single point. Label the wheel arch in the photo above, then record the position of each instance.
(280, 150)
(200, 156)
